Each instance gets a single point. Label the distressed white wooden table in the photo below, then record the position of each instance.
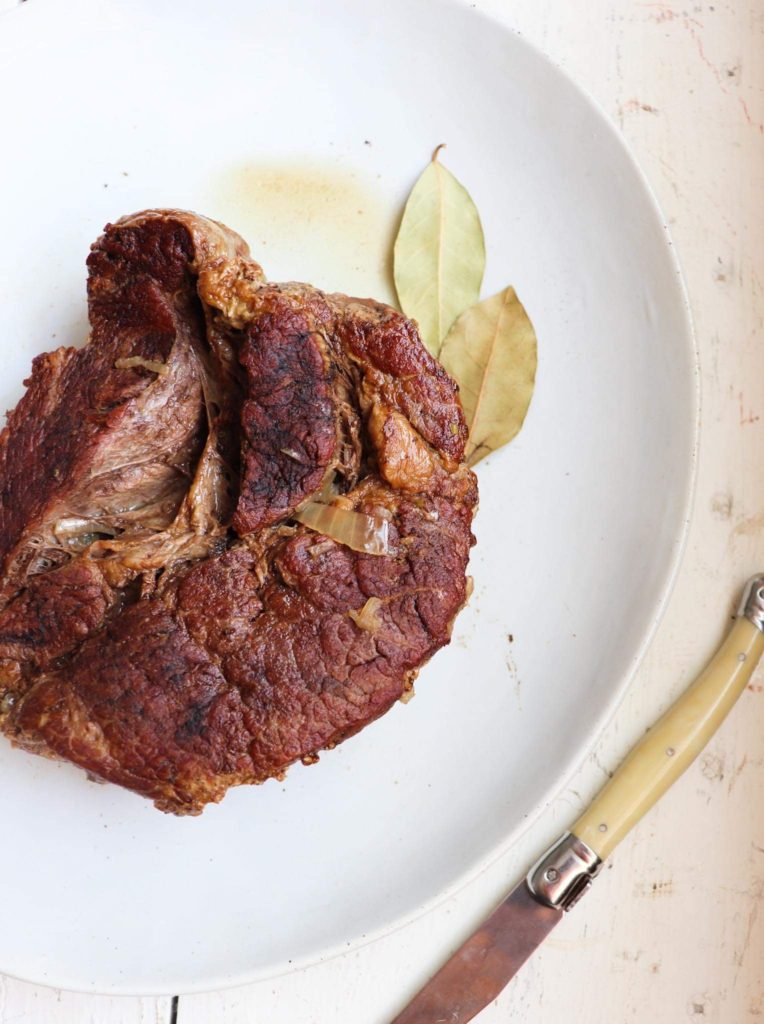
(675, 929)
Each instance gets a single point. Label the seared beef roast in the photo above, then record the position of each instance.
(166, 622)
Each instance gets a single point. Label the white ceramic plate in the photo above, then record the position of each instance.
(303, 126)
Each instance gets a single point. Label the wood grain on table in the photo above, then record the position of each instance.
(674, 930)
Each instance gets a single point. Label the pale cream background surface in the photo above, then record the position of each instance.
(674, 931)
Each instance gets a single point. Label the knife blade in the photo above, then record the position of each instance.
(479, 970)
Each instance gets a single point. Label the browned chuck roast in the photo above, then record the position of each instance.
(165, 621)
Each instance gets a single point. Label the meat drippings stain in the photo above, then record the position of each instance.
(315, 221)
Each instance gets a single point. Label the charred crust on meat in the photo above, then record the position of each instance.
(165, 622)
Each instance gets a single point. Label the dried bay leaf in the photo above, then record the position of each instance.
(491, 352)
(489, 346)
(439, 254)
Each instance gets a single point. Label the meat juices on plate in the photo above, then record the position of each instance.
(166, 623)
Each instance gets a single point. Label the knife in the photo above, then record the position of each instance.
(490, 958)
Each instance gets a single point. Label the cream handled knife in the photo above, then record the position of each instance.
(477, 972)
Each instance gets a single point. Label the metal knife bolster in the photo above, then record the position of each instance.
(564, 873)
(752, 604)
